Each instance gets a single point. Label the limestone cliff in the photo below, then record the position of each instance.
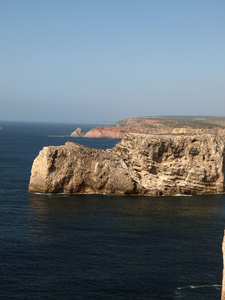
(139, 164)
(223, 280)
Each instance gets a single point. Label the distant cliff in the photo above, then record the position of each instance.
(139, 164)
(106, 132)
(156, 125)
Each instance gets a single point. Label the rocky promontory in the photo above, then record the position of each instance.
(139, 164)
(158, 125)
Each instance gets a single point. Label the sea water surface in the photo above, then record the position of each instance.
(98, 246)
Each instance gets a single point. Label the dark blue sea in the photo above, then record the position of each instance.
(99, 246)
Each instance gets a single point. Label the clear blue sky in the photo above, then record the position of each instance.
(105, 60)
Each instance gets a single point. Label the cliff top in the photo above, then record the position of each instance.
(194, 122)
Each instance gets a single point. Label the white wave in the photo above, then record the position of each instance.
(57, 135)
(199, 286)
(53, 195)
(183, 195)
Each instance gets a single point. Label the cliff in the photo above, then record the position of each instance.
(139, 164)
(106, 132)
(157, 125)
(223, 280)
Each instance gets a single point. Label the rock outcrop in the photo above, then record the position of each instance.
(77, 133)
(138, 164)
(223, 280)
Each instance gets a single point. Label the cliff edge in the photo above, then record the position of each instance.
(139, 164)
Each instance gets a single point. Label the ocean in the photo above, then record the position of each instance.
(98, 246)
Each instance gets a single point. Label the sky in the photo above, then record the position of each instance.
(106, 60)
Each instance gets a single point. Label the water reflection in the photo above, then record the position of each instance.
(134, 208)
(167, 215)
(150, 243)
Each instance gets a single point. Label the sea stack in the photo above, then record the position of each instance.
(139, 164)
(77, 133)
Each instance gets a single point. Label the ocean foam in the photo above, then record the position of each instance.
(199, 286)
(183, 195)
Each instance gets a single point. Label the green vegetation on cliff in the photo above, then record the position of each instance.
(195, 122)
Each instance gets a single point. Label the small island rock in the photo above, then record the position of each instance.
(77, 133)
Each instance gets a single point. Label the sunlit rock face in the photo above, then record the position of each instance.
(105, 132)
(223, 280)
(140, 164)
(77, 133)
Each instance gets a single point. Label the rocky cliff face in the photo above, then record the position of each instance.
(106, 132)
(223, 280)
(139, 164)
(77, 133)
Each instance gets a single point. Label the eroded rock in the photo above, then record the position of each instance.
(77, 133)
(139, 164)
(223, 280)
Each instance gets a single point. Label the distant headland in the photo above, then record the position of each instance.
(154, 125)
